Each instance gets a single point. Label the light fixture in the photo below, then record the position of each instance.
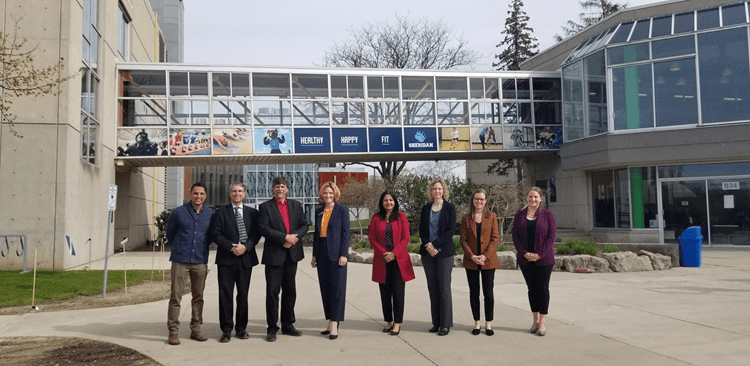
(727, 71)
(674, 66)
(724, 80)
(681, 81)
(614, 78)
(679, 96)
(642, 95)
(660, 80)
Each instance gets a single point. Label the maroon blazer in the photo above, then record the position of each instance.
(544, 237)
(376, 232)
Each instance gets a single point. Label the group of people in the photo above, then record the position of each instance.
(236, 229)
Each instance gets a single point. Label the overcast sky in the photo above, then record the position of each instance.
(297, 33)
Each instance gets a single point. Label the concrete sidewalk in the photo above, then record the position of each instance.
(682, 316)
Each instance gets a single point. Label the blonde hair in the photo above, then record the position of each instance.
(446, 193)
(541, 196)
(336, 191)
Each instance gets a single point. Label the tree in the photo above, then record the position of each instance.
(518, 45)
(405, 44)
(593, 11)
(439, 168)
(20, 77)
(358, 197)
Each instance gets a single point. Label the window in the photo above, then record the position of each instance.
(123, 32)
(724, 75)
(633, 100)
(615, 190)
(90, 81)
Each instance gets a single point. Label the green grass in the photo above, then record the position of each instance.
(575, 246)
(57, 285)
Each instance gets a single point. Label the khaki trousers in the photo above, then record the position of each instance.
(181, 272)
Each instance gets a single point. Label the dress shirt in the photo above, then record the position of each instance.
(187, 234)
(284, 210)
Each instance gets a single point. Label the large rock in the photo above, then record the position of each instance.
(506, 260)
(360, 257)
(595, 264)
(416, 259)
(628, 262)
(658, 261)
(458, 261)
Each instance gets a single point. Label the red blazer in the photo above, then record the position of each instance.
(376, 232)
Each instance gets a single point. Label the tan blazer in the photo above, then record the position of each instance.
(490, 236)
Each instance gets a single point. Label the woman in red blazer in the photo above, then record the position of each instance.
(479, 237)
(534, 230)
(391, 265)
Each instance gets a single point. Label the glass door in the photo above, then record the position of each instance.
(729, 205)
(684, 205)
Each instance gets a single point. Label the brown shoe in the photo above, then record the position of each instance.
(174, 339)
(198, 336)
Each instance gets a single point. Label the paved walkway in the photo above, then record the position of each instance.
(682, 316)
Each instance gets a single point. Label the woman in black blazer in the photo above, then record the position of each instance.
(437, 225)
(330, 255)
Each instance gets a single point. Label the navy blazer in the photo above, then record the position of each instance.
(337, 234)
(225, 233)
(446, 229)
(272, 228)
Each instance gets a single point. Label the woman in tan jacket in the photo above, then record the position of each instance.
(479, 238)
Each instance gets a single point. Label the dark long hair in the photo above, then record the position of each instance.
(381, 208)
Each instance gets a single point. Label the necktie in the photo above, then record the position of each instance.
(240, 224)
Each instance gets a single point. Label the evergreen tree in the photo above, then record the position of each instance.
(518, 45)
(593, 11)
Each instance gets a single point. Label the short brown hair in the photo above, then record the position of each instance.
(280, 179)
(336, 191)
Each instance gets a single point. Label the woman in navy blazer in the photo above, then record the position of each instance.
(437, 224)
(330, 255)
(534, 230)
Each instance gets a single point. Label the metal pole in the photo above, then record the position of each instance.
(106, 255)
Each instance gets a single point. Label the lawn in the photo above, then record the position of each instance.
(56, 285)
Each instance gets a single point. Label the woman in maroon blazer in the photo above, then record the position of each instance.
(534, 230)
(391, 265)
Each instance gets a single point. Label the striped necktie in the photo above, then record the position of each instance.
(240, 225)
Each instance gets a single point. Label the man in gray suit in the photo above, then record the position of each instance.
(283, 224)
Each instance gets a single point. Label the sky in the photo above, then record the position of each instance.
(299, 32)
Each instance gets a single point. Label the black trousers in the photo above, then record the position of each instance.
(488, 287)
(537, 281)
(332, 280)
(281, 279)
(392, 294)
(437, 270)
(230, 276)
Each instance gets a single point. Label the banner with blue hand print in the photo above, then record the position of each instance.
(420, 139)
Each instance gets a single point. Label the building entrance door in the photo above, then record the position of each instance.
(729, 207)
(684, 205)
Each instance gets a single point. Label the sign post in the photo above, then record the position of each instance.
(111, 206)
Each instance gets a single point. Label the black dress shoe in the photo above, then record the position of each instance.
(243, 335)
(489, 332)
(271, 336)
(444, 331)
(475, 331)
(294, 332)
(325, 332)
(434, 329)
(395, 332)
(333, 336)
(225, 337)
(387, 330)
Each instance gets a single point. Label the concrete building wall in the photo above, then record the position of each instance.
(50, 192)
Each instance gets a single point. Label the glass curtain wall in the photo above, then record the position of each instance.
(625, 198)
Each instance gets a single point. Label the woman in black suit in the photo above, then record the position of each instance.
(437, 224)
(330, 255)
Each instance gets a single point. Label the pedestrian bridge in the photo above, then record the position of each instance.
(178, 115)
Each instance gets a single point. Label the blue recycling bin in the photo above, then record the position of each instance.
(690, 247)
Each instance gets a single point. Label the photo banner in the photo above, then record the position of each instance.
(385, 139)
(273, 140)
(347, 140)
(312, 140)
(420, 139)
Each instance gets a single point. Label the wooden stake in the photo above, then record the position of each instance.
(33, 286)
(124, 269)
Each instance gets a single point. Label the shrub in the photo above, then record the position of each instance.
(502, 248)
(457, 244)
(363, 244)
(611, 249)
(575, 246)
(413, 248)
(414, 239)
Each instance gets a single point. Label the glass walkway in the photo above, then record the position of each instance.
(177, 114)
